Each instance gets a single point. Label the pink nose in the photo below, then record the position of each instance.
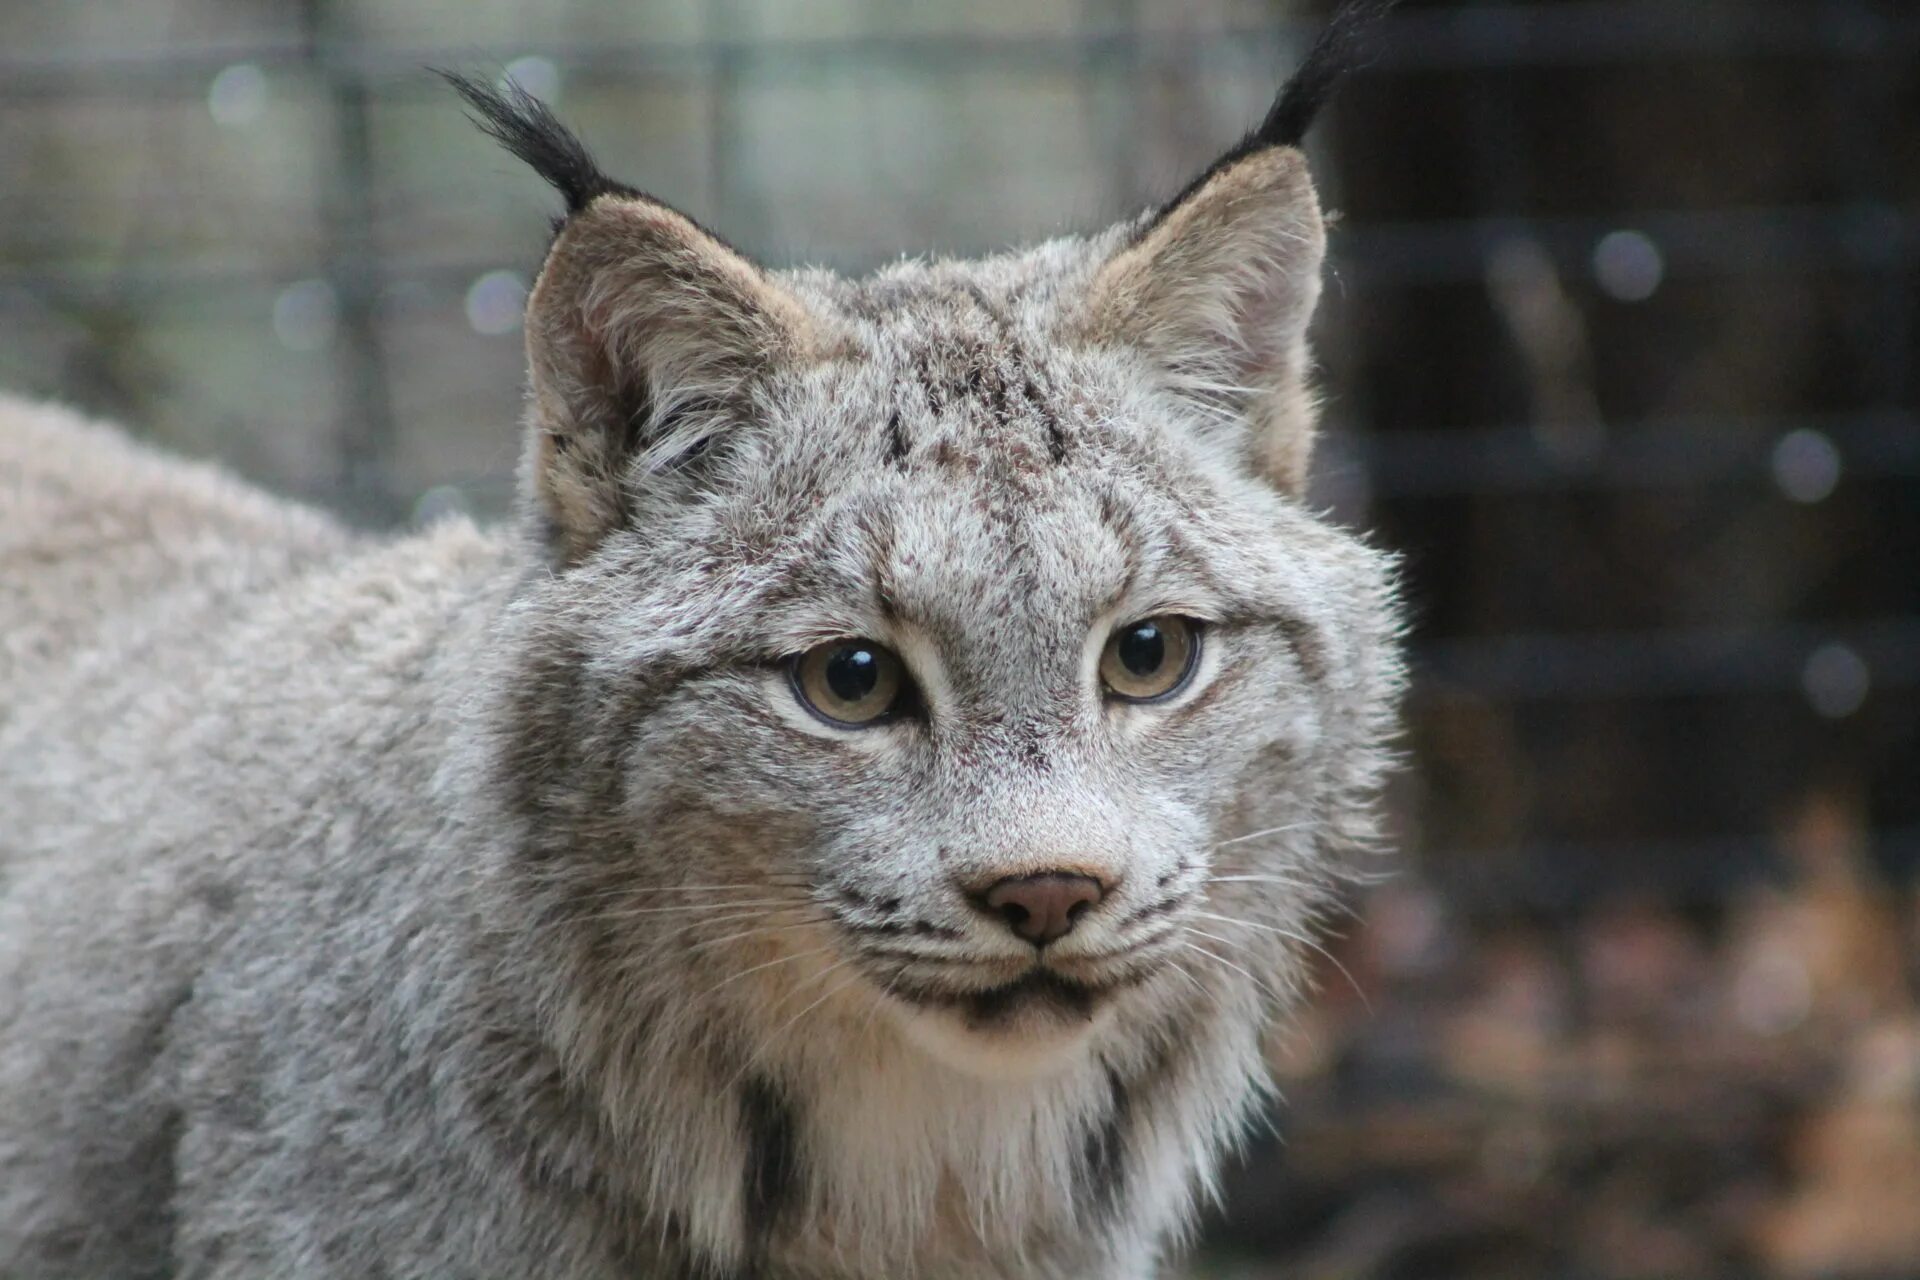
(1043, 908)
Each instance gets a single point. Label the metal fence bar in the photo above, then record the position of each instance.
(357, 274)
(1410, 461)
(1580, 33)
(1691, 662)
(1876, 238)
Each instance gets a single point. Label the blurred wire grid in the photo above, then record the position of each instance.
(1618, 351)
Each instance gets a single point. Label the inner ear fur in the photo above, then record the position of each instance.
(645, 334)
(1217, 289)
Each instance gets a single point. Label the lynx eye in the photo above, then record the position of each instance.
(850, 684)
(1151, 659)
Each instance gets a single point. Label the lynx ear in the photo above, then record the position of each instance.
(1217, 287)
(645, 333)
(1218, 290)
(645, 336)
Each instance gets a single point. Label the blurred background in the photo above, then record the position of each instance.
(1618, 350)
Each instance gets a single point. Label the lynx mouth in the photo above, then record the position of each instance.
(1039, 992)
(1039, 1023)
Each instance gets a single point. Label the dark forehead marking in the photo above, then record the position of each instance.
(1038, 401)
(1056, 435)
(896, 439)
(986, 364)
(930, 386)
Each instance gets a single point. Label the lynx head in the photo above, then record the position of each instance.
(949, 652)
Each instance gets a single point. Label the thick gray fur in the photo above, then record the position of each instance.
(482, 903)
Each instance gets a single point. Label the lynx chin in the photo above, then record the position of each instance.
(862, 820)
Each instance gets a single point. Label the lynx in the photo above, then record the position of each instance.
(864, 818)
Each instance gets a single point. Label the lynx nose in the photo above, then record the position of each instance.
(1045, 907)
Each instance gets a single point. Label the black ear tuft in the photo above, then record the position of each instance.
(1335, 53)
(527, 127)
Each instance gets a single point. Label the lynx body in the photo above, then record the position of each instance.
(496, 903)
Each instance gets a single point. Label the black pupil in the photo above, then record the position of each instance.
(1143, 649)
(852, 673)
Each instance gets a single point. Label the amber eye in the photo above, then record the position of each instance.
(849, 683)
(1151, 659)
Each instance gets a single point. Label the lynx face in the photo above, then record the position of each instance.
(938, 720)
(991, 638)
(939, 623)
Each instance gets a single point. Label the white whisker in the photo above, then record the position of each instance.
(717, 888)
(879, 1003)
(768, 1042)
(1289, 881)
(745, 934)
(1213, 997)
(1262, 987)
(1304, 941)
(1270, 831)
(642, 892)
(624, 913)
(748, 972)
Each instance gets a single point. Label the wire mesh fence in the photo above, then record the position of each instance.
(1618, 354)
